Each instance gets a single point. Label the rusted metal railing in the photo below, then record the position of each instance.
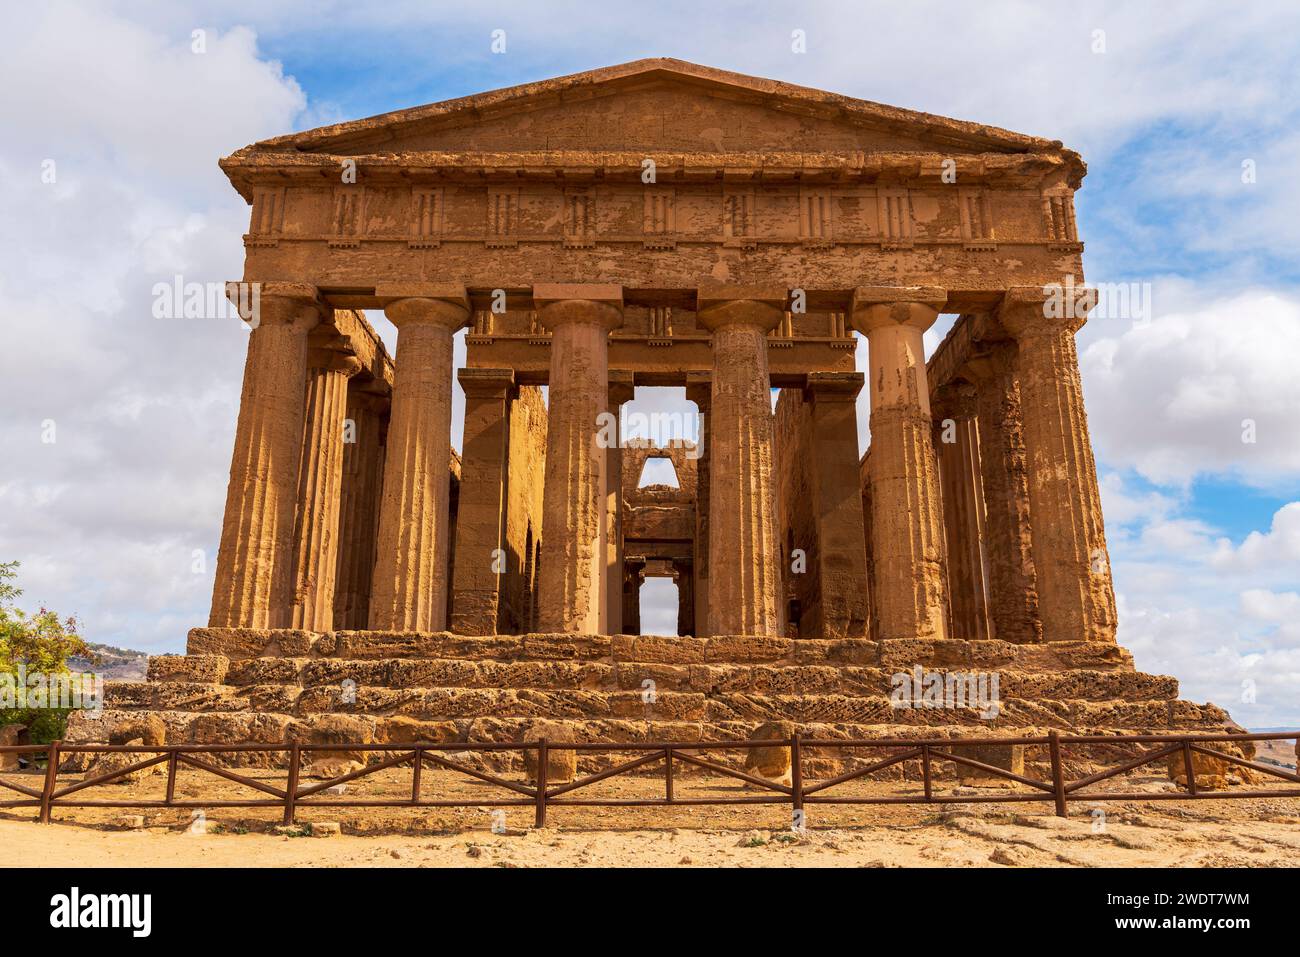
(542, 796)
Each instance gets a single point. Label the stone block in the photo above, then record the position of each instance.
(1008, 757)
(561, 765)
(773, 762)
(190, 668)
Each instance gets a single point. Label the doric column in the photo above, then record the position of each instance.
(907, 537)
(621, 390)
(743, 589)
(842, 610)
(254, 577)
(699, 388)
(633, 579)
(363, 470)
(957, 446)
(574, 504)
(331, 361)
(410, 584)
(1076, 599)
(481, 515)
(1013, 593)
(684, 576)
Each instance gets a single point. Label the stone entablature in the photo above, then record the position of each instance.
(657, 174)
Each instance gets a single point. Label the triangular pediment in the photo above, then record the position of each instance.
(655, 106)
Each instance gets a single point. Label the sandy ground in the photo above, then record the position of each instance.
(1254, 833)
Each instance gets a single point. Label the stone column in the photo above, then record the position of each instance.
(363, 469)
(837, 505)
(633, 579)
(481, 518)
(744, 581)
(1076, 599)
(331, 362)
(580, 318)
(907, 538)
(410, 583)
(621, 390)
(254, 575)
(957, 447)
(684, 576)
(1012, 591)
(699, 388)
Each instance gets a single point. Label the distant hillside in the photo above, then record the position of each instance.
(115, 664)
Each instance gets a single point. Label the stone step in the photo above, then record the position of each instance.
(710, 679)
(892, 655)
(441, 703)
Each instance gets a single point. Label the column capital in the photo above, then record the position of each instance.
(1052, 309)
(621, 387)
(990, 361)
(952, 400)
(699, 389)
(877, 306)
(450, 291)
(719, 305)
(425, 303)
(330, 351)
(294, 304)
(487, 383)
(563, 303)
(834, 386)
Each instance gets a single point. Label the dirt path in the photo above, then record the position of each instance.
(962, 838)
(1171, 833)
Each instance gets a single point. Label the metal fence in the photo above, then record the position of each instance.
(542, 795)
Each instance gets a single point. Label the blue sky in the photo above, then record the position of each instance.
(117, 520)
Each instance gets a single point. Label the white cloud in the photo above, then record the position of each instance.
(1174, 397)
(106, 518)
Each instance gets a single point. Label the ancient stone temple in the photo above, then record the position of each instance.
(658, 224)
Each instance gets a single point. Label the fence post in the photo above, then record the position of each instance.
(291, 791)
(1189, 767)
(171, 775)
(1058, 776)
(543, 759)
(925, 771)
(415, 776)
(668, 775)
(51, 773)
(796, 779)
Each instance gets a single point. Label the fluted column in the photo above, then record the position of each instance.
(957, 446)
(621, 390)
(1013, 592)
(684, 576)
(254, 576)
(907, 537)
(580, 318)
(698, 390)
(481, 513)
(330, 363)
(633, 579)
(409, 592)
(363, 470)
(843, 608)
(744, 580)
(1076, 598)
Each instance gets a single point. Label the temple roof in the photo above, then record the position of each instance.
(660, 105)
